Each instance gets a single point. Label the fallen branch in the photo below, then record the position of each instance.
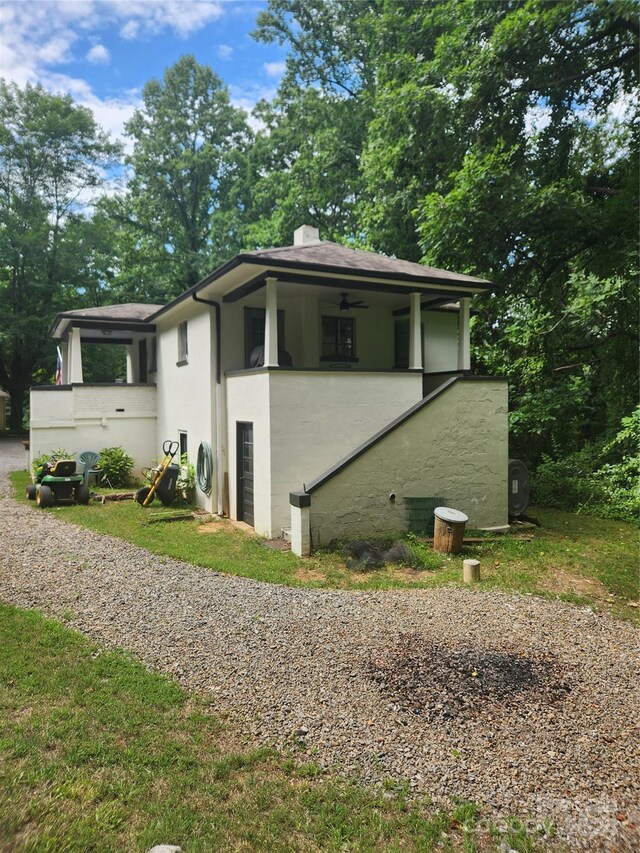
(182, 516)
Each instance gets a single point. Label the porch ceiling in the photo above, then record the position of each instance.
(327, 293)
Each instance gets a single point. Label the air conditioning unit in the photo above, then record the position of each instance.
(518, 480)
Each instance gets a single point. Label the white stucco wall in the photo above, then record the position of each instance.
(455, 447)
(86, 417)
(440, 341)
(186, 393)
(248, 402)
(304, 422)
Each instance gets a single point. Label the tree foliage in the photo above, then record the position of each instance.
(498, 139)
(187, 155)
(52, 157)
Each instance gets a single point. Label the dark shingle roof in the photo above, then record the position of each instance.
(335, 256)
(136, 312)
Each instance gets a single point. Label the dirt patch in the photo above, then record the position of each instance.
(560, 581)
(310, 575)
(438, 681)
(225, 525)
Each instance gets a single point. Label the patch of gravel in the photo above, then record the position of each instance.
(548, 728)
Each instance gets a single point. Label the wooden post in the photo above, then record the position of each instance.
(471, 571)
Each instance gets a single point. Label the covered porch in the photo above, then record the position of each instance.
(302, 325)
(122, 326)
(76, 415)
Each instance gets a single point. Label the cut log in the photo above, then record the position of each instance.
(183, 516)
(119, 496)
(471, 571)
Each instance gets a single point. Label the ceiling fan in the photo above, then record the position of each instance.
(345, 305)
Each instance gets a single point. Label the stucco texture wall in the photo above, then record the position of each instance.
(248, 402)
(91, 417)
(186, 391)
(456, 447)
(302, 424)
(317, 418)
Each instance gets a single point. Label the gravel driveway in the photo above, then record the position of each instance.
(521, 704)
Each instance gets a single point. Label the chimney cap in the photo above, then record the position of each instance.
(306, 235)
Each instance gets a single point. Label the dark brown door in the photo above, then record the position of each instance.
(245, 472)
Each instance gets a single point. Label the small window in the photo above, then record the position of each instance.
(183, 445)
(183, 344)
(338, 339)
(153, 355)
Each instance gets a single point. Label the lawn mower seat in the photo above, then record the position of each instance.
(63, 468)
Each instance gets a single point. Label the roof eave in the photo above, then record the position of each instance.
(474, 284)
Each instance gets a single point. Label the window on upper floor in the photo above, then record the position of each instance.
(183, 344)
(338, 339)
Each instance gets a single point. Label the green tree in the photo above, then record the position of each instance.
(306, 160)
(495, 138)
(187, 153)
(52, 158)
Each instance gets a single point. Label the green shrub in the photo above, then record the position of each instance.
(115, 465)
(601, 480)
(60, 453)
(186, 479)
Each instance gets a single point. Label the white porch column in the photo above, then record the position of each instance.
(64, 349)
(415, 334)
(464, 351)
(130, 371)
(74, 357)
(271, 325)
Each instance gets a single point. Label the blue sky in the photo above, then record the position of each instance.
(103, 51)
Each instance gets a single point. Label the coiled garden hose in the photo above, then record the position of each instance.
(204, 467)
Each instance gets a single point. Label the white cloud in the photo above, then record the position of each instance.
(224, 51)
(37, 37)
(98, 55)
(246, 97)
(148, 17)
(130, 30)
(274, 69)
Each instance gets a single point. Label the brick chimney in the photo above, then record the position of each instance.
(306, 235)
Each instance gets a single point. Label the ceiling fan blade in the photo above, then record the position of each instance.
(345, 305)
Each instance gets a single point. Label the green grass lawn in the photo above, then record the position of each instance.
(99, 754)
(579, 558)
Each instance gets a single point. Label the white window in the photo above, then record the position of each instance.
(183, 344)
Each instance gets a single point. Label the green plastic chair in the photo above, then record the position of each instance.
(89, 459)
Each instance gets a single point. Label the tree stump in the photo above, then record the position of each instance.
(448, 531)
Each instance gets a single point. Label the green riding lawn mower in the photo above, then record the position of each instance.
(57, 483)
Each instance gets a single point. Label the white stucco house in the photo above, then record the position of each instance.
(332, 387)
